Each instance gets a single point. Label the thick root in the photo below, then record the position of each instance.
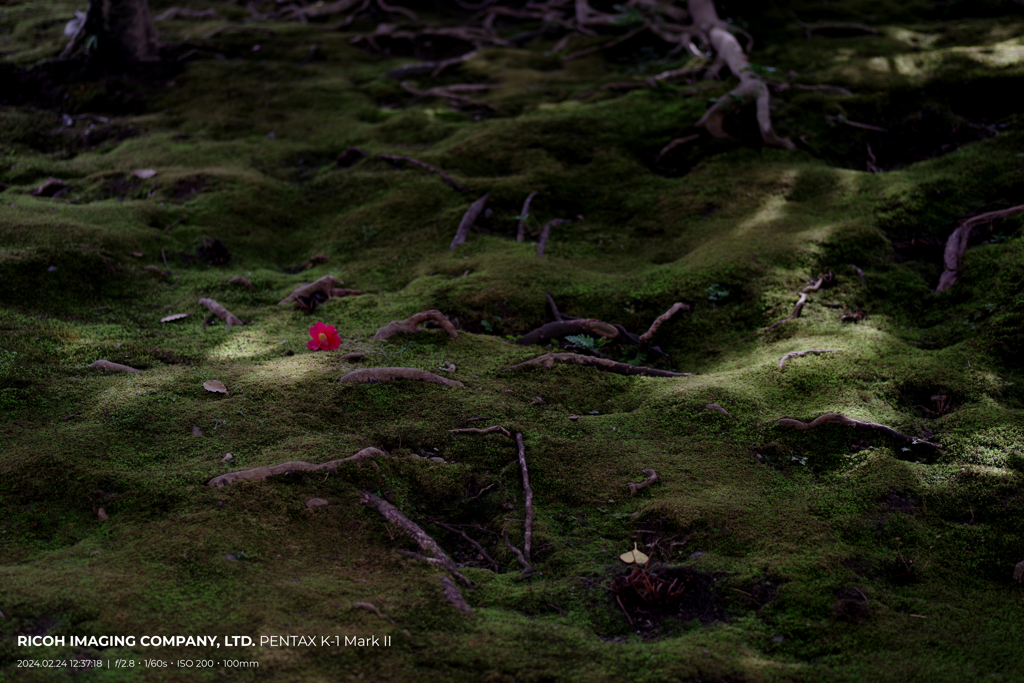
(224, 314)
(560, 329)
(410, 325)
(645, 338)
(107, 365)
(837, 418)
(652, 477)
(956, 245)
(325, 285)
(472, 213)
(549, 359)
(475, 430)
(260, 473)
(374, 375)
(454, 596)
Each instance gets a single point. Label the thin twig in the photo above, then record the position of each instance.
(476, 430)
(838, 418)
(528, 535)
(416, 162)
(521, 230)
(676, 307)
(523, 562)
(466, 536)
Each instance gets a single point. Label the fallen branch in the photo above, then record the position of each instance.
(545, 233)
(325, 285)
(837, 418)
(221, 312)
(422, 538)
(801, 354)
(664, 317)
(416, 162)
(472, 213)
(652, 477)
(241, 281)
(476, 430)
(454, 596)
(528, 534)
(107, 365)
(374, 375)
(410, 325)
(460, 532)
(523, 215)
(956, 245)
(719, 409)
(260, 473)
(549, 359)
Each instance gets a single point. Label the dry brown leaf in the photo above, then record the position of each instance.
(215, 386)
(102, 515)
(175, 316)
(196, 431)
(144, 173)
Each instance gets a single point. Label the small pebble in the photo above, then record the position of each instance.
(102, 515)
(437, 459)
(228, 458)
(696, 554)
(574, 417)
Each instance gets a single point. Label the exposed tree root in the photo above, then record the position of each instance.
(528, 534)
(410, 325)
(545, 233)
(476, 430)
(373, 608)
(241, 281)
(422, 538)
(860, 274)
(224, 314)
(554, 308)
(801, 354)
(325, 285)
(558, 330)
(374, 375)
(1018, 571)
(397, 160)
(549, 359)
(824, 281)
(837, 418)
(336, 293)
(454, 596)
(956, 245)
(467, 537)
(353, 357)
(652, 477)
(450, 93)
(107, 365)
(717, 408)
(675, 143)
(472, 213)
(527, 568)
(645, 338)
(523, 215)
(179, 13)
(260, 473)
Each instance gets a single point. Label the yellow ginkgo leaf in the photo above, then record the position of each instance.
(634, 555)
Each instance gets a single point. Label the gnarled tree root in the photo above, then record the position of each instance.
(476, 430)
(645, 338)
(652, 477)
(817, 284)
(560, 329)
(956, 245)
(454, 596)
(801, 354)
(468, 218)
(549, 359)
(422, 538)
(325, 285)
(410, 325)
(224, 314)
(260, 473)
(107, 365)
(838, 418)
(241, 281)
(374, 375)
(394, 159)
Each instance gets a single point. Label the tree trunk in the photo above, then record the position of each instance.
(117, 32)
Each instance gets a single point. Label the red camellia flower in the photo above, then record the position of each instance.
(324, 338)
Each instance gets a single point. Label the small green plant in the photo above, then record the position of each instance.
(634, 356)
(716, 292)
(585, 341)
(487, 326)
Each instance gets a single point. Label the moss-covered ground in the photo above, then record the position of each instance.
(825, 555)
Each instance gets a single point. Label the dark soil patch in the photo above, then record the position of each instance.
(186, 188)
(213, 251)
(895, 502)
(649, 596)
(852, 605)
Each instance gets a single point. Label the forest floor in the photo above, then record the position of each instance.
(838, 553)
